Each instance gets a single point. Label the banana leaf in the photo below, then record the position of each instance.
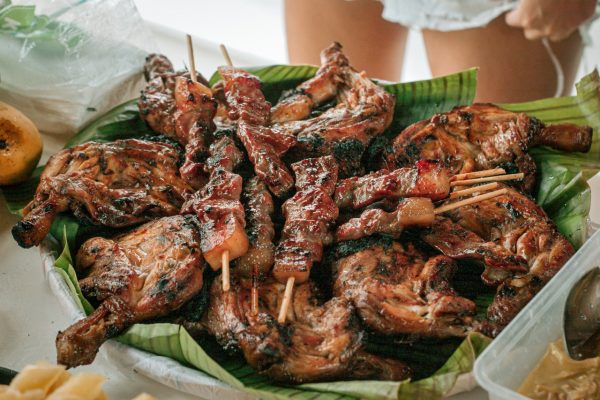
(563, 192)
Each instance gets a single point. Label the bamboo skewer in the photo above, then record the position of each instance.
(226, 55)
(225, 270)
(474, 189)
(287, 298)
(478, 174)
(254, 292)
(470, 200)
(496, 178)
(190, 50)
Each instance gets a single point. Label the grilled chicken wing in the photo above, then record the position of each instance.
(321, 341)
(115, 184)
(363, 111)
(483, 136)
(398, 289)
(517, 223)
(146, 273)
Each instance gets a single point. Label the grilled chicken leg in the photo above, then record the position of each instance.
(146, 273)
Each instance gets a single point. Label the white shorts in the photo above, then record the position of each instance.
(453, 15)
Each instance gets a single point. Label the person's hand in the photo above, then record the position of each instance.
(554, 19)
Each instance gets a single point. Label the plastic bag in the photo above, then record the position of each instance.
(65, 62)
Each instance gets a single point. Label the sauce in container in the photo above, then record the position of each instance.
(558, 377)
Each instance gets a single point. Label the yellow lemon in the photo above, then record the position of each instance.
(20, 145)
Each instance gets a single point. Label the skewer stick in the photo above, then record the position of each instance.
(470, 200)
(496, 178)
(478, 174)
(287, 298)
(254, 292)
(190, 49)
(226, 55)
(474, 189)
(225, 270)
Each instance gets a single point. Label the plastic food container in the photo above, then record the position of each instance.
(506, 363)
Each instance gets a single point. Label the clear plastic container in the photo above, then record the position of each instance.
(505, 364)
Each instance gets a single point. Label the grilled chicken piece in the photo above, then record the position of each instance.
(309, 217)
(398, 289)
(146, 273)
(195, 110)
(483, 136)
(157, 101)
(517, 223)
(221, 216)
(456, 242)
(260, 230)
(426, 179)
(320, 341)
(115, 184)
(297, 104)
(264, 145)
(364, 110)
(411, 212)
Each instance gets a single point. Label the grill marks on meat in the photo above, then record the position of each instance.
(517, 223)
(399, 290)
(115, 184)
(298, 103)
(321, 341)
(264, 145)
(456, 242)
(195, 110)
(426, 179)
(157, 102)
(146, 273)
(411, 212)
(257, 262)
(309, 217)
(221, 216)
(363, 111)
(483, 136)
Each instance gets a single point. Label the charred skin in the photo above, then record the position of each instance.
(518, 224)
(146, 273)
(116, 184)
(320, 341)
(398, 289)
(363, 111)
(484, 136)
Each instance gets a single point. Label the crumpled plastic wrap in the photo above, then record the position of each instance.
(66, 62)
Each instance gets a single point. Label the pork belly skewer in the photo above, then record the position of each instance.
(410, 212)
(309, 216)
(265, 146)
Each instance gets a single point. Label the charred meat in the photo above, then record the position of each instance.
(114, 184)
(517, 223)
(146, 273)
(484, 136)
(398, 289)
(321, 341)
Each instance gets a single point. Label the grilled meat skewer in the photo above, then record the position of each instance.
(309, 216)
(146, 273)
(116, 184)
(320, 342)
(264, 145)
(398, 289)
(483, 136)
(426, 179)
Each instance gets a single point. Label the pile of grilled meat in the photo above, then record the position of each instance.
(285, 191)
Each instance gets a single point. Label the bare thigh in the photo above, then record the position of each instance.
(371, 43)
(512, 68)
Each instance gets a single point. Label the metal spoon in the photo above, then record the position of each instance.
(581, 322)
